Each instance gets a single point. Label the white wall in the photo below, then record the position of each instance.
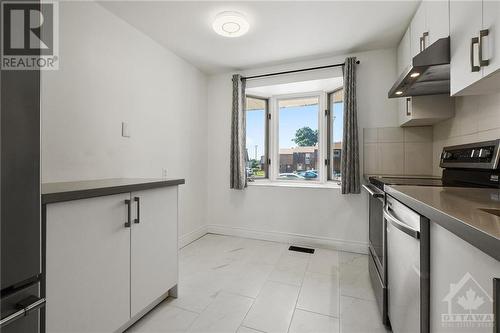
(477, 118)
(109, 73)
(307, 215)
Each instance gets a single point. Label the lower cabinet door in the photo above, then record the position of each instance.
(87, 265)
(154, 245)
(463, 296)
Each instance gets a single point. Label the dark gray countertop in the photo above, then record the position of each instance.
(458, 209)
(66, 191)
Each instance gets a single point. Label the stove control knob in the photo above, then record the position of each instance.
(447, 155)
(484, 153)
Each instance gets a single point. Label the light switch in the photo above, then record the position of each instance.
(125, 130)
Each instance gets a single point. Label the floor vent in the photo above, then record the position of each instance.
(301, 249)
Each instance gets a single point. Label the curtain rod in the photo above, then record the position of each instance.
(295, 71)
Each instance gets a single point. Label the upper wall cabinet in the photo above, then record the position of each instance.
(425, 110)
(437, 15)
(404, 52)
(430, 23)
(475, 47)
(418, 30)
(465, 23)
(491, 23)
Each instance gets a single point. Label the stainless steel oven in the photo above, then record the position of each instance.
(377, 251)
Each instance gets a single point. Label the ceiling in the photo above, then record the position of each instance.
(280, 31)
(297, 87)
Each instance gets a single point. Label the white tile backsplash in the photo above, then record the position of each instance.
(398, 151)
(391, 155)
(390, 134)
(371, 160)
(407, 151)
(418, 134)
(418, 158)
(370, 135)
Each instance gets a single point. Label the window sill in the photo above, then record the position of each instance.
(270, 183)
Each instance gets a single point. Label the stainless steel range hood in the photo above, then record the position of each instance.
(429, 73)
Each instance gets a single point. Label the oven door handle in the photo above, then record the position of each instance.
(400, 225)
(26, 306)
(373, 191)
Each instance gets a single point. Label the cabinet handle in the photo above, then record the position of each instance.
(408, 111)
(138, 219)
(474, 40)
(424, 35)
(129, 212)
(482, 62)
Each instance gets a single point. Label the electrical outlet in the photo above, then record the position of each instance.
(164, 173)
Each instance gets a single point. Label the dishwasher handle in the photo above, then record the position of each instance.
(373, 191)
(400, 225)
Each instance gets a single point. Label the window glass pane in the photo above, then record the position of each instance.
(256, 137)
(298, 138)
(337, 112)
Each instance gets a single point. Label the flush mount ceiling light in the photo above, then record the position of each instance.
(416, 74)
(230, 24)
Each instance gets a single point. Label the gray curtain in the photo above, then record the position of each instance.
(349, 164)
(238, 177)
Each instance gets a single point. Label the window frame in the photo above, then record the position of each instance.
(266, 130)
(274, 136)
(330, 139)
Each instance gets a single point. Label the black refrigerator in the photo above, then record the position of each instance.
(21, 267)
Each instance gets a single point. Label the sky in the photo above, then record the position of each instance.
(291, 119)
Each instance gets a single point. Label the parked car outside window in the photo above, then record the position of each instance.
(291, 176)
(309, 174)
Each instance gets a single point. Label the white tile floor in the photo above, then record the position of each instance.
(238, 285)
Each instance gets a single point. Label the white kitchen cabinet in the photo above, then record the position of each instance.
(437, 20)
(425, 110)
(418, 28)
(461, 280)
(87, 265)
(154, 246)
(109, 259)
(474, 26)
(491, 43)
(465, 23)
(430, 23)
(404, 110)
(404, 52)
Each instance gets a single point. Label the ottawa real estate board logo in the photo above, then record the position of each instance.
(469, 306)
(29, 39)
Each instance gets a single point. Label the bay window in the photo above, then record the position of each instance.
(295, 138)
(257, 117)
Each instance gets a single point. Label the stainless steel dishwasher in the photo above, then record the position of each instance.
(407, 268)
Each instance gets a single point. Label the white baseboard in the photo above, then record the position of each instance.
(289, 238)
(192, 236)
